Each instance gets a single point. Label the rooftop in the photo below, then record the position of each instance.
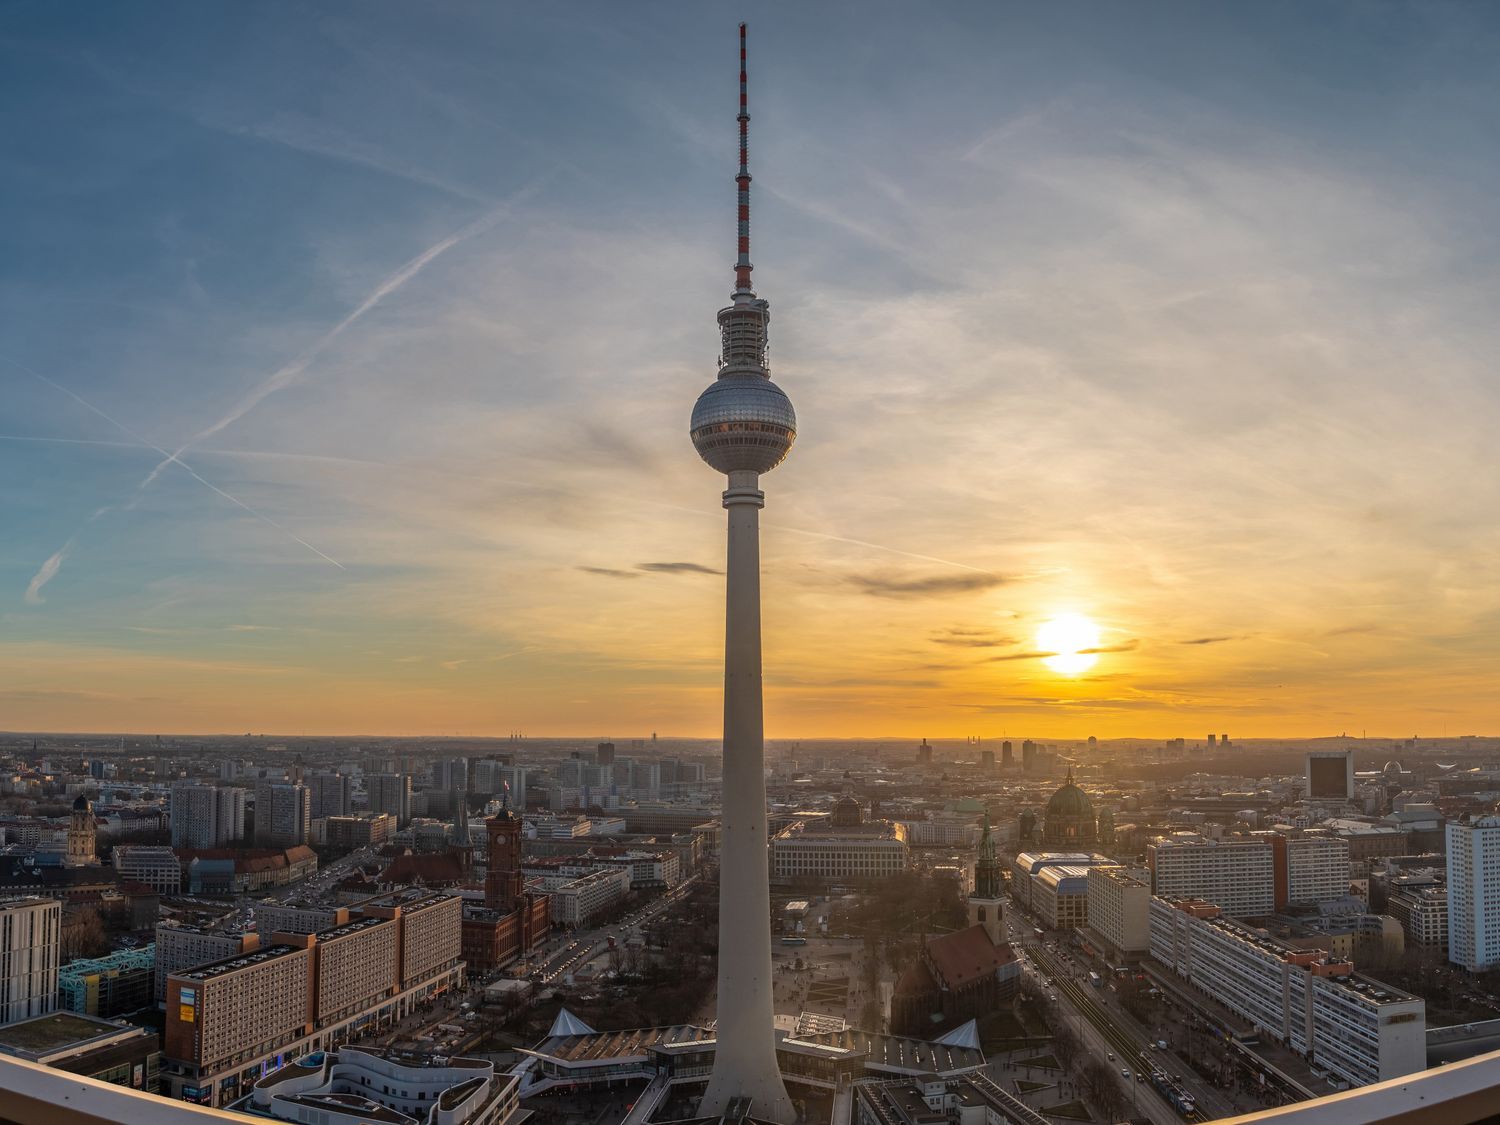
(45, 1034)
(235, 964)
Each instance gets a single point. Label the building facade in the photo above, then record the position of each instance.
(179, 947)
(30, 929)
(1120, 910)
(206, 816)
(1474, 893)
(156, 867)
(1355, 1028)
(838, 855)
(230, 1022)
(390, 793)
(283, 815)
(1237, 874)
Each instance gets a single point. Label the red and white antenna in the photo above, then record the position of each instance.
(742, 266)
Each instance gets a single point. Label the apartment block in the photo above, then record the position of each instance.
(283, 815)
(231, 1021)
(157, 867)
(356, 967)
(390, 793)
(179, 947)
(1355, 1028)
(1236, 873)
(1119, 910)
(1060, 897)
(29, 933)
(206, 816)
(577, 899)
(328, 794)
(1474, 893)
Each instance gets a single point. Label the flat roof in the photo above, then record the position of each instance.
(242, 961)
(60, 1029)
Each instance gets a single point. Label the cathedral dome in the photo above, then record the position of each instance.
(846, 813)
(1070, 801)
(81, 804)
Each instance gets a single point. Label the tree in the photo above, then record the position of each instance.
(1100, 1087)
(1065, 1046)
(82, 934)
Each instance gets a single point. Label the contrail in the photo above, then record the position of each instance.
(294, 369)
(49, 569)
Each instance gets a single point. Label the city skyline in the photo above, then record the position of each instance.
(1170, 321)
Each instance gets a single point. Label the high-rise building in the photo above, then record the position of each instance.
(450, 774)
(1330, 775)
(1237, 875)
(391, 793)
(329, 794)
(1317, 870)
(1028, 756)
(743, 425)
(924, 754)
(1119, 907)
(30, 929)
(1474, 893)
(206, 816)
(230, 1020)
(283, 814)
(179, 946)
(1007, 756)
(604, 754)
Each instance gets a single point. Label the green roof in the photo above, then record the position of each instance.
(48, 1033)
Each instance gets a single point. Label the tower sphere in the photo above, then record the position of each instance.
(743, 423)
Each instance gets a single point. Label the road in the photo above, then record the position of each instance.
(1103, 1034)
(569, 953)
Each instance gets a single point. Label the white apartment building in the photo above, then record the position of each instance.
(157, 867)
(283, 815)
(576, 899)
(1355, 1028)
(180, 947)
(1423, 914)
(1236, 873)
(1120, 909)
(837, 857)
(1317, 869)
(647, 869)
(1474, 893)
(29, 932)
(206, 816)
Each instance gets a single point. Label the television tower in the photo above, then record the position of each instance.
(743, 425)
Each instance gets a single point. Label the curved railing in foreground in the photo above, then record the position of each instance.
(1463, 1093)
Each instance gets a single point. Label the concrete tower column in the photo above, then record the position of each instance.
(745, 1059)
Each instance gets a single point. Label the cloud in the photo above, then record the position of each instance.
(609, 572)
(1208, 640)
(973, 638)
(1123, 646)
(253, 628)
(932, 585)
(677, 568)
(45, 573)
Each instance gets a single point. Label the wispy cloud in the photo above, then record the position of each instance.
(973, 638)
(926, 586)
(676, 568)
(1208, 640)
(609, 572)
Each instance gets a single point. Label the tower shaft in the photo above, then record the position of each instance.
(745, 1056)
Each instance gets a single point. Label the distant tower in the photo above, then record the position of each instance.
(924, 754)
(984, 903)
(81, 833)
(743, 425)
(1007, 756)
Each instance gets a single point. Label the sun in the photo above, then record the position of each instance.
(1071, 639)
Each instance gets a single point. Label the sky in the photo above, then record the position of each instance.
(347, 351)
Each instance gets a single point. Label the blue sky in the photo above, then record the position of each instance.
(1179, 316)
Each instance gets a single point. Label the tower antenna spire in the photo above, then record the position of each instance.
(742, 266)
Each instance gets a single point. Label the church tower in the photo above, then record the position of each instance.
(81, 834)
(504, 885)
(984, 903)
